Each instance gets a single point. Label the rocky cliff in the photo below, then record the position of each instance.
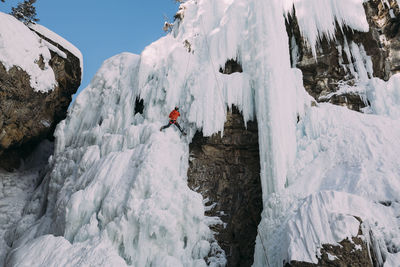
(226, 171)
(338, 60)
(26, 115)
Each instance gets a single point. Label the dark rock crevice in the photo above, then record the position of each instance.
(226, 170)
(139, 105)
(231, 66)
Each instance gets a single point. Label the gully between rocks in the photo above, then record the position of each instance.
(226, 171)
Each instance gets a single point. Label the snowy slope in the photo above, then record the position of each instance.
(117, 193)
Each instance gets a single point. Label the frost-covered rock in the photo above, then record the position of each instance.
(347, 55)
(37, 78)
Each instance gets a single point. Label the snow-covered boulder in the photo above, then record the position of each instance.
(39, 72)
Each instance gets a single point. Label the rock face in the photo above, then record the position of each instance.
(332, 68)
(226, 171)
(26, 116)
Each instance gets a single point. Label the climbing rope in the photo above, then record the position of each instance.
(265, 250)
(211, 59)
(220, 91)
(187, 67)
(186, 72)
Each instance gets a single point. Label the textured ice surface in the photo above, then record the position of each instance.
(117, 190)
(15, 190)
(117, 185)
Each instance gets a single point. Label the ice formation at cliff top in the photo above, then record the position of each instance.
(116, 191)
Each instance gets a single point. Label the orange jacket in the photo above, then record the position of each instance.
(174, 115)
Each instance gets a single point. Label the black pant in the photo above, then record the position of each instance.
(170, 123)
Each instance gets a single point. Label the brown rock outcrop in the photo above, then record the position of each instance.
(323, 75)
(26, 116)
(226, 171)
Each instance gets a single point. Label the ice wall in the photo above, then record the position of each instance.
(345, 161)
(218, 31)
(116, 192)
(319, 18)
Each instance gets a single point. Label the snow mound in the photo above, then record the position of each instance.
(20, 47)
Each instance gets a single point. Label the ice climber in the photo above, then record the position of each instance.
(173, 116)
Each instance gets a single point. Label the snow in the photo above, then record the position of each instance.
(59, 40)
(13, 194)
(351, 155)
(331, 257)
(15, 190)
(385, 97)
(342, 166)
(392, 260)
(54, 49)
(53, 250)
(116, 192)
(333, 216)
(114, 198)
(20, 47)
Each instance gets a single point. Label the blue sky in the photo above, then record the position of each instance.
(101, 29)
